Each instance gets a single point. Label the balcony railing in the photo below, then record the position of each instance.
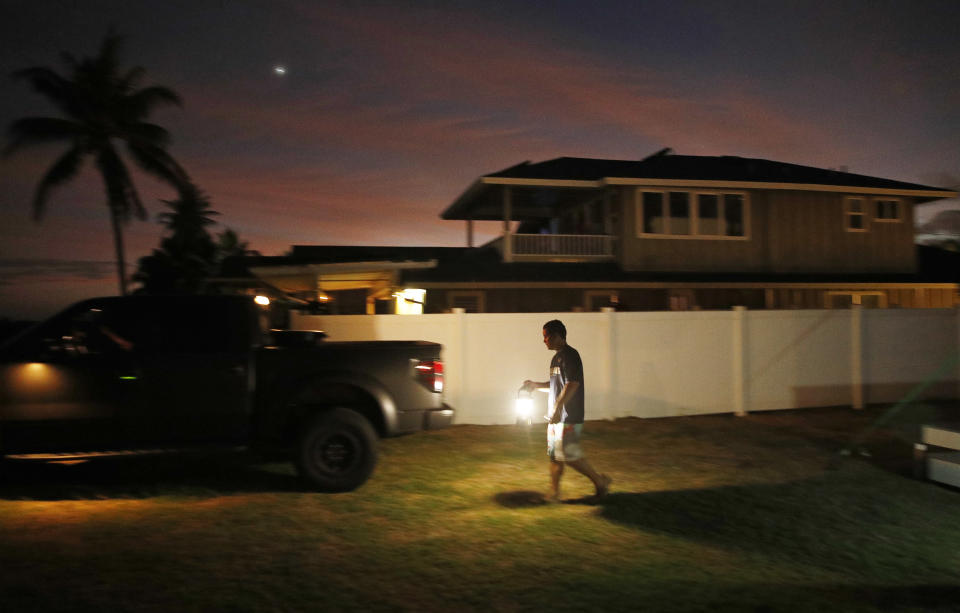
(546, 247)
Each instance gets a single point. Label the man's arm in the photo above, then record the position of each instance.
(567, 392)
(530, 386)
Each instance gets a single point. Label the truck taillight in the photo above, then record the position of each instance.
(430, 374)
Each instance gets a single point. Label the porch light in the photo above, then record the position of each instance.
(262, 300)
(410, 301)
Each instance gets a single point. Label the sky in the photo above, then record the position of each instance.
(387, 111)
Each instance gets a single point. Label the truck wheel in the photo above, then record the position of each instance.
(337, 450)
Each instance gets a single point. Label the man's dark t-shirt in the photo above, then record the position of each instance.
(565, 367)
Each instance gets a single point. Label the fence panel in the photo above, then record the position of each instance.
(676, 363)
(905, 348)
(797, 359)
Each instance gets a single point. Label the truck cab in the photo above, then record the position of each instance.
(119, 374)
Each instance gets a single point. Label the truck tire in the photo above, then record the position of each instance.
(336, 451)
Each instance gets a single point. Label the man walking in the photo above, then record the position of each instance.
(565, 410)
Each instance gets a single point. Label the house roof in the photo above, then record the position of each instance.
(483, 267)
(328, 254)
(563, 180)
(335, 267)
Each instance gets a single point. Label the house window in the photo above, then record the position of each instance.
(679, 222)
(682, 300)
(708, 215)
(855, 214)
(594, 300)
(471, 302)
(844, 300)
(654, 221)
(886, 210)
(733, 215)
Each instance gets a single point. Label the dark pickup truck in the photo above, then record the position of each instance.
(129, 374)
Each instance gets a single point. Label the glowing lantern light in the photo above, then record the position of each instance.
(524, 407)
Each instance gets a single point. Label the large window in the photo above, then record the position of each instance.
(704, 215)
(887, 209)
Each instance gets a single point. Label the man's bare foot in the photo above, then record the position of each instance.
(604, 486)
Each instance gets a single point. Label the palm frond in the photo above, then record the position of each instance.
(148, 134)
(69, 60)
(144, 101)
(133, 76)
(64, 169)
(49, 84)
(134, 197)
(40, 130)
(156, 161)
(121, 194)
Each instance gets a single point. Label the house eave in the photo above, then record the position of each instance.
(812, 187)
(859, 285)
(475, 203)
(711, 184)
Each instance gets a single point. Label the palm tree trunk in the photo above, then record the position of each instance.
(116, 222)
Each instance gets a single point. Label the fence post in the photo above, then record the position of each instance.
(610, 363)
(507, 215)
(739, 361)
(460, 320)
(856, 355)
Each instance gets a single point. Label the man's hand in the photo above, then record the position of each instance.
(568, 390)
(532, 386)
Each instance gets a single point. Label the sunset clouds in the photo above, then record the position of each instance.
(388, 110)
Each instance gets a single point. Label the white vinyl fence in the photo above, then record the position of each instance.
(658, 364)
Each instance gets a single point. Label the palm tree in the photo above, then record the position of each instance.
(188, 254)
(230, 245)
(101, 108)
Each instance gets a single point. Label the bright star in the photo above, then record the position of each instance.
(280, 70)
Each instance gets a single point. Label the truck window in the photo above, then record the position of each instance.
(194, 327)
(87, 329)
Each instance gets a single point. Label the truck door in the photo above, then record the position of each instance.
(64, 384)
(194, 373)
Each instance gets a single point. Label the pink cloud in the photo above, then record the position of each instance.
(549, 84)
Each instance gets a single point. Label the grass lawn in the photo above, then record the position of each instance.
(709, 513)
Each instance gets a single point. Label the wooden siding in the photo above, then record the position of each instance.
(807, 233)
(789, 231)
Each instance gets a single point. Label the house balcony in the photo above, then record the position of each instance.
(557, 247)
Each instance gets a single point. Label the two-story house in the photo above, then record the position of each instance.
(703, 232)
(665, 232)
